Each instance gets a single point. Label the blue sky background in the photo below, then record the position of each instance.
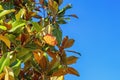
(97, 35)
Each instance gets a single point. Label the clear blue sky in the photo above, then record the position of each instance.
(97, 35)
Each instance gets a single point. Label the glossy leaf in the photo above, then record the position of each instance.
(16, 68)
(63, 10)
(1, 62)
(6, 62)
(16, 25)
(5, 12)
(58, 34)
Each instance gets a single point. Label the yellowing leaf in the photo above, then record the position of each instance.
(5, 40)
(57, 78)
(20, 14)
(71, 60)
(71, 70)
(1, 8)
(9, 75)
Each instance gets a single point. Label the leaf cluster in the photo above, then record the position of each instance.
(31, 37)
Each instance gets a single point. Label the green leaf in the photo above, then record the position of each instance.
(6, 62)
(17, 24)
(23, 54)
(11, 37)
(1, 8)
(62, 11)
(58, 33)
(20, 14)
(35, 65)
(16, 67)
(36, 26)
(61, 22)
(26, 57)
(3, 27)
(1, 61)
(5, 12)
